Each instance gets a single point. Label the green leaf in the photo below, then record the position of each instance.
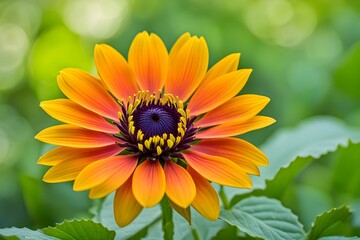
(200, 227)
(80, 229)
(228, 232)
(182, 229)
(347, 75)
(33, 198)
(313, 138)
(264, 218)
(310, 203)
(339, 238)
(275, 187)
(137, 228)
(331, 223)
(346, 164)
(154, 232)
(24, 233)
(204, 228)
(355, 210)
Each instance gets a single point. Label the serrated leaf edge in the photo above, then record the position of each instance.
(327, 212)
(76, 220)
(272, 199)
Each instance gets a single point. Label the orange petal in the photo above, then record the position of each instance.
(126, 208)
(73, 136)
(111, 184)
(148, 57)
(107, 187)
(215, 92)
(118, 169)
(239, 108)
(179, 44)
(115, 72)
(66, 170)
(243, 153)
(180, 187)
(229, 152)
(71, 161)
(234, 128)
(62, 154)
(187, 68)
(217, 169)
(227, 64)
(185, 212)
(149, 183)
(206, 201)
(87, 91)
(68, 111)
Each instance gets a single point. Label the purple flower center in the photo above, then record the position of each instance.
(155, 127)
(156, 120)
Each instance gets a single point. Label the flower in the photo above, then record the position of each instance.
(157, 124)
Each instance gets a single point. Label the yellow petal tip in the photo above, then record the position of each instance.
(38, 136)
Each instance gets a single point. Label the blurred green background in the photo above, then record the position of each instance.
(305, 56)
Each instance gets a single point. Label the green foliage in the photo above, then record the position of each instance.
(264, 218)
(205, 229)
(275, 187)
(310, 203)
(167, 222)
(83, 229)
(339, 238)
(290, 150)
(346, 164)
(32, 197)
(228, 232)
(355, 209)
(347, 74)
(24, 233)
(68, 230)
(148, 224)
(138, 227)
(331, 223)
(200, 228)
(313, 137)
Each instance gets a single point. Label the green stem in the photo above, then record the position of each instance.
(167, 223)
(195, 234)
(224, 198)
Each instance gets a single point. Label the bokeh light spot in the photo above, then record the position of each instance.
(279, 12)
(284, 23)
(98, 19)
(25, 14)
(13, 46)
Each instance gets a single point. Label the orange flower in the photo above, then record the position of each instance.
(156, 124)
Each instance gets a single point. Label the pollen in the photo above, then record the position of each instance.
(170, 143)
(158, 150)
(155, 126)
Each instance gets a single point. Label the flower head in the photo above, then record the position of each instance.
(158, 124)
